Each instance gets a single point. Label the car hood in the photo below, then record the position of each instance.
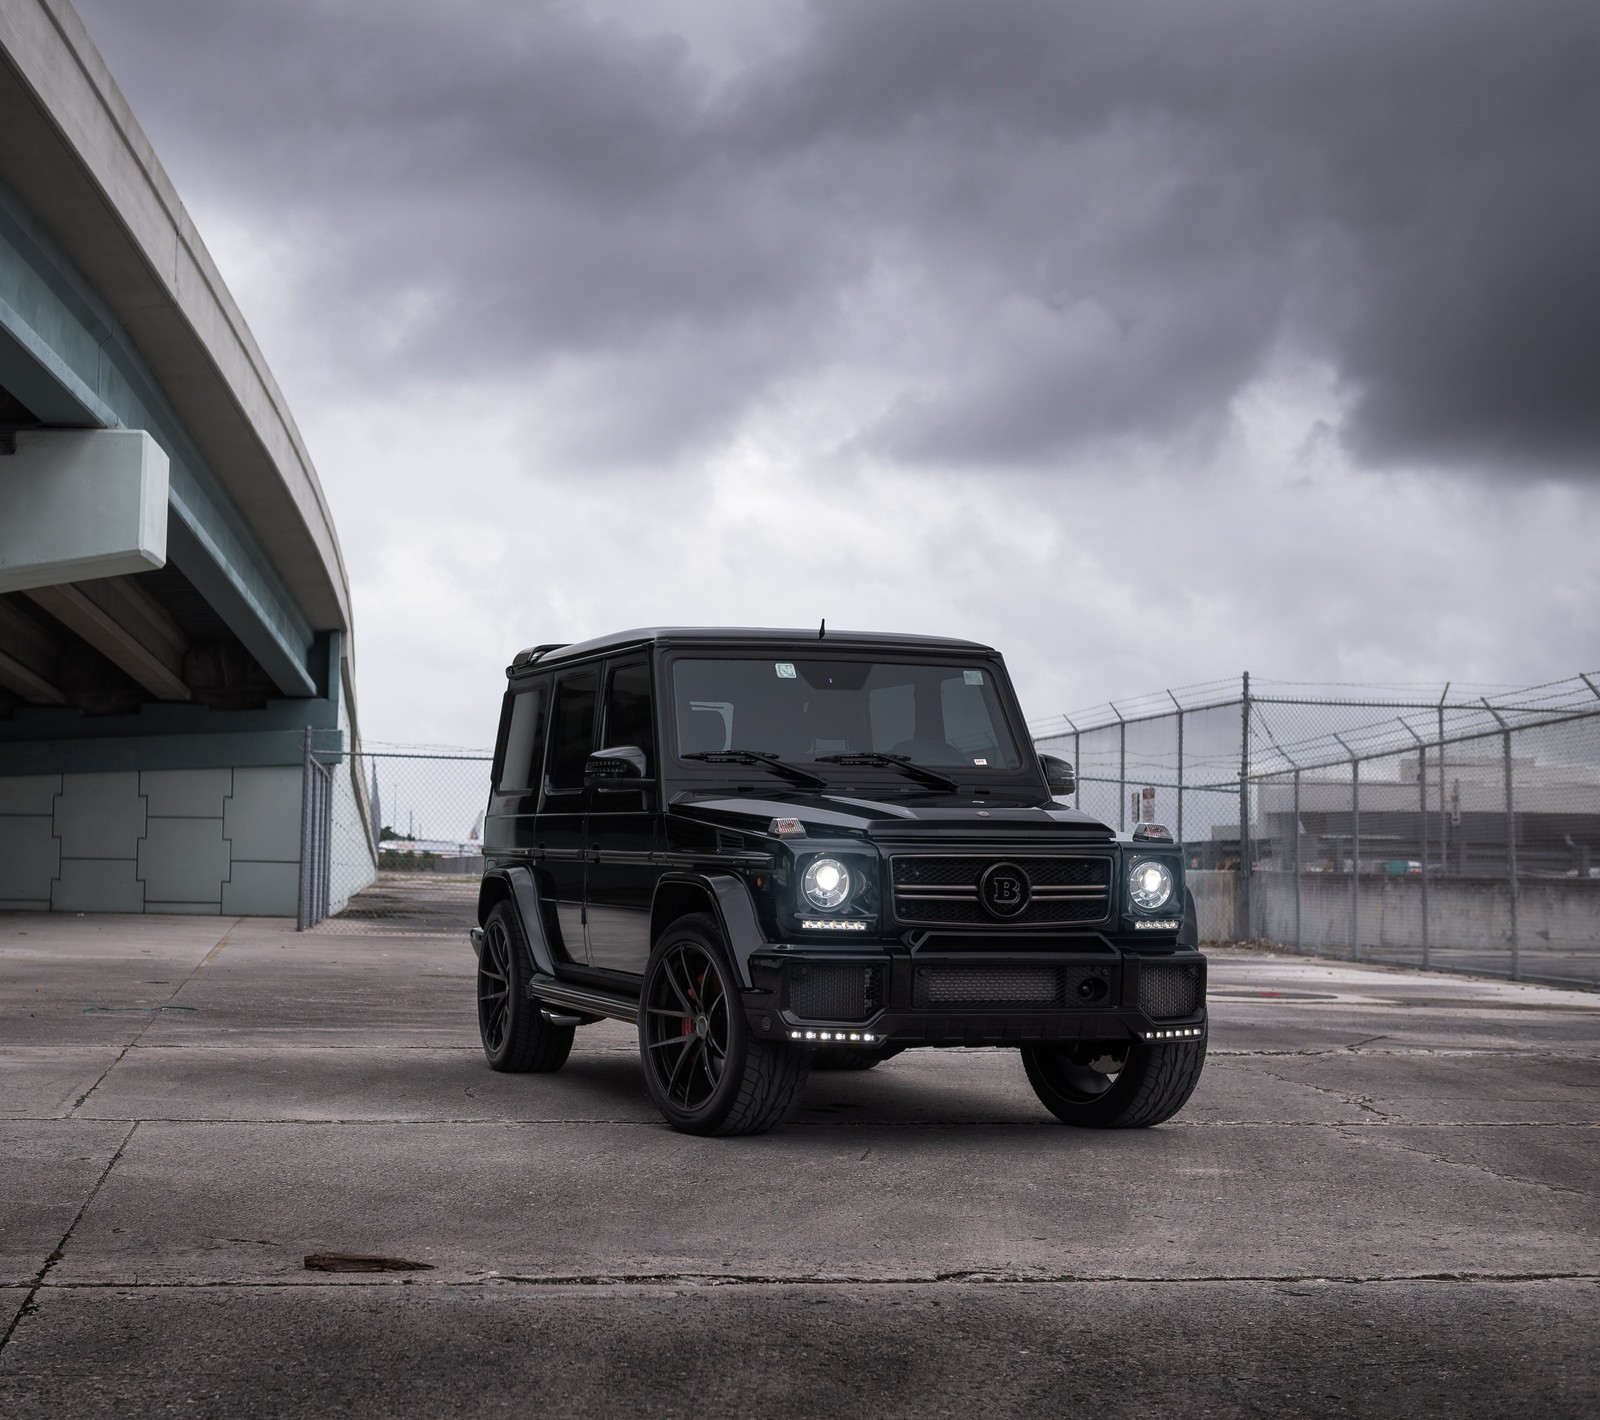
(893, 820)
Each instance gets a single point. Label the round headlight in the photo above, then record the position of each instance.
(826, 883)
(1150, 885)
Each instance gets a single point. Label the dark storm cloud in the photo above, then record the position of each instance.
(1045, 224)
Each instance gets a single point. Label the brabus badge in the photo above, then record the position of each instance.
(1004, 890)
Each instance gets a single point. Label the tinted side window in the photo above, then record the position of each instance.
(572, 729)
(524, 739)
(628, 720)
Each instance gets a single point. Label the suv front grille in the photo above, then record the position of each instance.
(835, 991)
(942, 890)
(1014, 987)
(1168, 990)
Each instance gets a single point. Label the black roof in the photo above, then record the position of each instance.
(746, 635)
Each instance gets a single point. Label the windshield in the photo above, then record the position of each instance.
(804, 710)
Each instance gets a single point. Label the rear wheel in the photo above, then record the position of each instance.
(1125, 1085)
(516, 1035)
(704, 1071)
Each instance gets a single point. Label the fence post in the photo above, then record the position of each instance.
(1422, 825)
(1422, 807)
(1246, 924)
(1077, 767)
(303, 891)
(1297, 940)
(1122, 769)
(1174, 699)
(1511, 865)
(1444, 837)
(1355, 860)
(1355, 849)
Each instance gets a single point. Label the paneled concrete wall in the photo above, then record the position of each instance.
(1216, 903)
(1552, 913)
(171, 840)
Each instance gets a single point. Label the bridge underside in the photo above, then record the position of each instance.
(174, 626)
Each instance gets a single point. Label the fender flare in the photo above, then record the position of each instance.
(524, 894)
(731, 904)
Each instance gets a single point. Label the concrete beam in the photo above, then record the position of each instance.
(81, 503)
(70, 363)
(120, 621)
(28, 658)
(72, 150)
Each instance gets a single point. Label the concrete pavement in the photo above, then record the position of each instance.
(1381, 1200)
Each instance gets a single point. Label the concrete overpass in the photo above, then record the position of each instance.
(174, 610)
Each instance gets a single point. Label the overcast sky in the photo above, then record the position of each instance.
(1148, 341)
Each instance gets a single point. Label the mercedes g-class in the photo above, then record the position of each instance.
(774, 851)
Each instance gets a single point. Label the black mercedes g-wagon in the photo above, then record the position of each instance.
(779, 851)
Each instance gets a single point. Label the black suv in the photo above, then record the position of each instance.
(776, 851)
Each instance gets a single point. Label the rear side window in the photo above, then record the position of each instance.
(628, 719)
(524, 739)
(572, 729)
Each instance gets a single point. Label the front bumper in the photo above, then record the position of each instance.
(993, 997)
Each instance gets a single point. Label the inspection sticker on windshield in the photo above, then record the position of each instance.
(972, 677)
(980, 761)
(785, 669)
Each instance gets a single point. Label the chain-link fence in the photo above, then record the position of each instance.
(1451, 828)
(392, 839)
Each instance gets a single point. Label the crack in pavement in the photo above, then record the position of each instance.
(1391, 1143)
(1380, 1121)
(155, 1015)
(973, 1277)
(1476, 1051)
(1358, 1102)
(59, 1251)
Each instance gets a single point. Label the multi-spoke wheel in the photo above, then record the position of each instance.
(1126, 1085)
(516, 1036)
(704, 1071)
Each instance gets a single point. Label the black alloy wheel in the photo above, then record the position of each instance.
(1123, 1085)
(516, 1035)
(705, 1072)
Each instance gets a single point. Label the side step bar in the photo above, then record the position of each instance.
(588, 1001)
(585, 999)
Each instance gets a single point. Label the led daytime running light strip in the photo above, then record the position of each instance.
(829, 925)
(853, 1037)
(1182, 1033)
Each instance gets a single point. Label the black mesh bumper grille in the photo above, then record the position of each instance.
(841, 991)
(1018, 987)
(1168, 990)
(943, 890)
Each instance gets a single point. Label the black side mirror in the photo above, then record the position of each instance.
(621, 767)
(1058, 776)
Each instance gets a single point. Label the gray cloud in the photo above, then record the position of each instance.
(1043, 226)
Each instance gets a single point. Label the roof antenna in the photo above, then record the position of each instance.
(823, 629)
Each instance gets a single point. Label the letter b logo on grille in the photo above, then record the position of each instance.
(1004, 890)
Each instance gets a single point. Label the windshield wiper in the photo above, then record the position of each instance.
(903, 763)
(792, 772)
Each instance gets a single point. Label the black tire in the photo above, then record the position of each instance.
(1151, 1084)
(848, 1057)
(705, 1072)
(516, 1036)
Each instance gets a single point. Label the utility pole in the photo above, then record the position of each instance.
(1245, 924)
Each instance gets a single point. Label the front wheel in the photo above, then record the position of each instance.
(704, 1071)
(1126, 1085)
